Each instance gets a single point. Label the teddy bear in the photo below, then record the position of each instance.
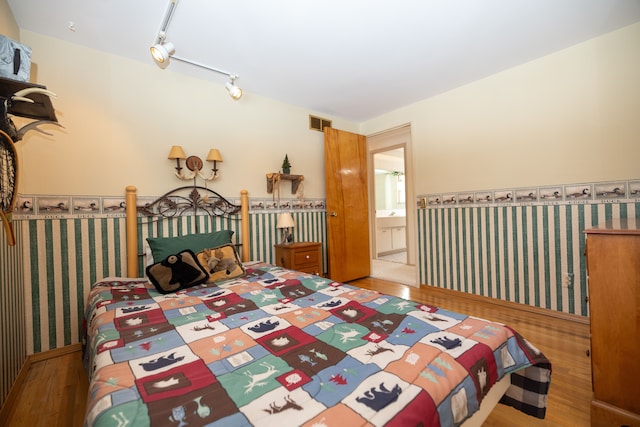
(210, 260)
(215, 261)
(224, 264)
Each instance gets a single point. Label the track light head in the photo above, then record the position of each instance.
(161, 52)
(234, 91)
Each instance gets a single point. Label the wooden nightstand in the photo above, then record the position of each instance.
(300, 256)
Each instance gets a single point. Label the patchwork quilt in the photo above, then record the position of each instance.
(277, 347)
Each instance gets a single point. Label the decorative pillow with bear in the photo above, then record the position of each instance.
(221, 263)
(177, 271)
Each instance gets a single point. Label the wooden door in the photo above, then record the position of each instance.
(345, 158)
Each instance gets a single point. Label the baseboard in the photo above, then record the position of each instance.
(56, 352)
(513, 305)
(604, 414)
(9, 403)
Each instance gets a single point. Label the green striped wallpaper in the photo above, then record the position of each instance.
(529, 253)
(13, 334)
(62, 257)
(64, 254)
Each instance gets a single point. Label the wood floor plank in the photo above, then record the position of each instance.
(56, 389)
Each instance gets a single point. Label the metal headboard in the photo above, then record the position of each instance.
(184, 201)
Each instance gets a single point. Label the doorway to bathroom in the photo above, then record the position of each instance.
(391, 212)
(390, 205)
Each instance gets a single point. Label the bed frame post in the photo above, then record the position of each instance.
(132, 232)
(244, 212)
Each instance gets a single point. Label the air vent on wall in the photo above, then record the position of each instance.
(318, 123)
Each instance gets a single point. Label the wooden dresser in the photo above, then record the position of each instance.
(300, 256)
(613, 265)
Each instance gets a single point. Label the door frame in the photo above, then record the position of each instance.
(399, 137)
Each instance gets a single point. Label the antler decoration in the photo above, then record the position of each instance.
(191, 175)
(182, 174)
(7, 105)
(22, 99)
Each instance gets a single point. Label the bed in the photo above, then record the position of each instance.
(276, 347)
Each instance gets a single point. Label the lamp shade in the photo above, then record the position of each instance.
(177, 153)
(214, 155)
(285, 220)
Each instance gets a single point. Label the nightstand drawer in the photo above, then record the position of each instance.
(306, 257)
(314, 269)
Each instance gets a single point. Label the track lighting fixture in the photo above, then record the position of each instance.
(234, 91)
(162, 51)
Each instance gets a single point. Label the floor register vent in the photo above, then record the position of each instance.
(318, 123)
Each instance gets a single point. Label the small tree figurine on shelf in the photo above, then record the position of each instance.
(286, 166)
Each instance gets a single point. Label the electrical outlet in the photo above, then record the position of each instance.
(567, 280)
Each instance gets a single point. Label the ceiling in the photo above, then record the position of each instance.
(352, 59)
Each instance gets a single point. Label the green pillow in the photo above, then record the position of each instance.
(162, 247)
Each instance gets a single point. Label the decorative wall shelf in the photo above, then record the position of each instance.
(274, 178)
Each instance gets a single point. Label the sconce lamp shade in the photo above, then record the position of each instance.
(214, 155)
(161, 52)
(177, 153)
(285, 220)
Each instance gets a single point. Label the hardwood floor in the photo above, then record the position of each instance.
(54, 391)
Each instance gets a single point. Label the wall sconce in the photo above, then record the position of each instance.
(162, 51)
(194, 163)
(214, 157)
(285, 223)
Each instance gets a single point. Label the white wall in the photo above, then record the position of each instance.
(8, 26)
(566, 118)
(121, 117)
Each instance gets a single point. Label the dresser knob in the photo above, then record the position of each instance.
(307, 257)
